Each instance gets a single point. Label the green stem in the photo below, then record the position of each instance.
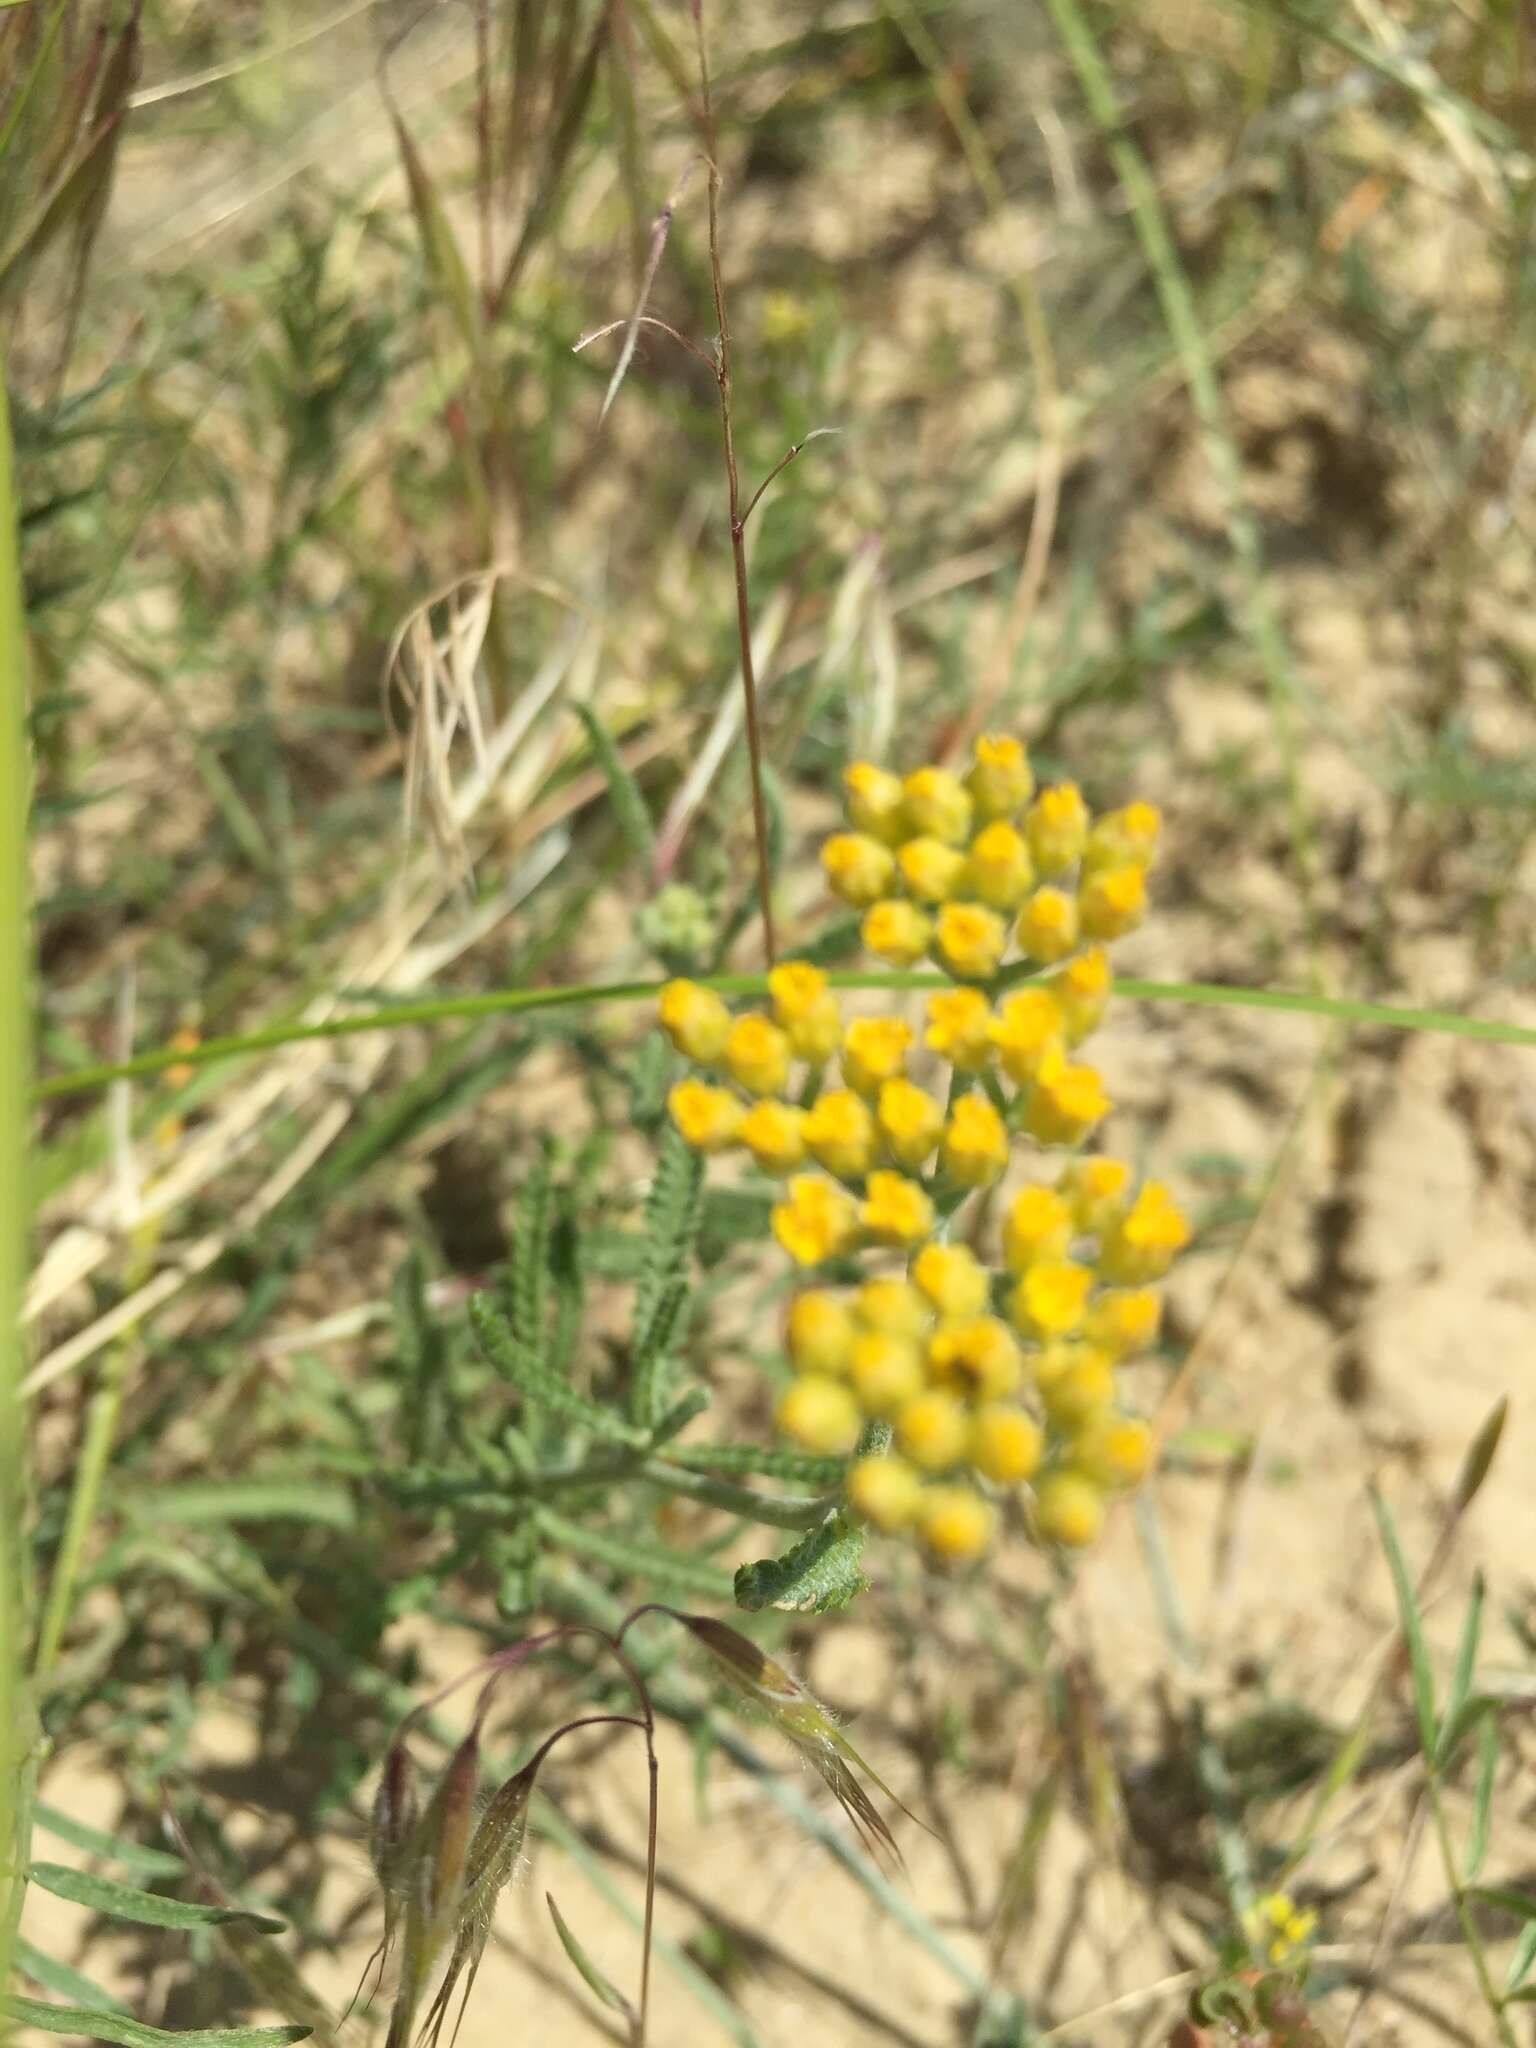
(15, 1202)
(90, 1474)
(524, 1001)
(1469, 1933)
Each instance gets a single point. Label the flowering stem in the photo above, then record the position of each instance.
(738, 518)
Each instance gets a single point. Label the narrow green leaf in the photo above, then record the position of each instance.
(1480, 1455)
(610, 1994)
(1507, 1898)
(1461, 1677)
(1482, 1797)
(537, 1382)
(439, 244)
(1522, 1959)
(773, 1461)
(128, 2033)
(244, 1500)
(131, 1855)
(629, 807)
(147, 1909)
(1412, 1624)
(817, 1575)
(67, 1983)
(653, 1563)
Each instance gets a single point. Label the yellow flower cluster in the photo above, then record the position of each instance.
(980, 1380)
(1278, 1926)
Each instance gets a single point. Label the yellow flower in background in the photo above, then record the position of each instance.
(933, 1430)
(1006, 1444)
(774, 1133)
(897, 932)
(858, 868)
(930, 870)
(1001, 780)
(875, 801)
(910, 1123)
(976, 1356)
(707, 1118)
(805, 1010)
(1051, 1298)
(974, 1150)
(1057, 828)
(1124, 1323)
(1069, 1509)
(785, 318)
(896, 1210)
(1278, 1926)
(1068, 1101)
(757, 1055)
(893, 1306)
(1028, 1027)
(1076, 1382)
(875, 1051)
(819, 1332)
(818, 1220)
(1081, 989)
(1142, 1245)
(885, 1491)
(1113, 1450)
(959, 1026)
(971, 940)
(886, 1371)
(955, 1523)
(938, 803)
(1047, 927)
(821, 1415)
(1038, 1226)
(1112, 902)
(1125, 838)
(840, 1134)
(998, 868)
(1096, 1189)
(952, 1278)
(695, 1019)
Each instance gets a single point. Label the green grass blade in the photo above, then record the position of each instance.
(590, 1974)
(127, 2033)
(1482, 1798)
(146, 1909)
(1412, 1625)
(131, 1855)
(65, 1982)
(1461, 1678)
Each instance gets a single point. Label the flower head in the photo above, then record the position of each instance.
(874, 801)
(820, 1414)
(896, 931)
(774, 1133)
(956, 1523)
(819, 1332)
(1081, 989)
(858, 868)
(1000, 780)
(930, 869)
(1124, 1322)
(1006, 1444)
(1142, 1245)
(708, 1118)
(886, 1371)
(805, 1010)
(1076, 1383)
(938, 803)
(1057, 828)
(975, 1144)
(1125, 838)
(885, 1491)
(971, 940)
(896, 1210)
(757, 1055)
(1051, 1299)
(874, 1052)
(932, 1430)
(1047, 928)
(998, 868)
(1113, 1450)
(1112, 902)
(977, 1357)
(894, 1306)
(1068, 1101)
(910, 1123)
(952, 1278)
(1028, 1027)
(695, 1019)
(959, 1022)
(1069, 1510)
(1038, 1226)
(1096, 1189)
(840, 1134)
(818, 1220)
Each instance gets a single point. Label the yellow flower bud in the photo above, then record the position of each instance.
(840, 1134)
(894, 1306)
(874, 801)
(708, 1118)
(819, 1332)
(955, 1523)
(975, 1147)
(885, 1491)
(1038, 1226)
(932, 1430)
(819, 1220)
(1001, 779)
(959, 1024)
(1005, 1445)
(1068, 1101)
(896, 932)
(977, 1357)
(998, 868)
(1028, 1027)
(1113, 1450)
(1124, 1323)
(937, 803)
(757, 1055)
(910, 1122)
(1069, 1509)
(806, 1010)
(821, 1415)
(695, 1019)
(773, 1132)
(874, 1052)
(1111, 902)
(886, 1371)
(1076, 1382)
(1096, 1189)
(952, 1278)
(1051, 1299)
(971, 940)
(1142, 1245)
(1047, 928)
(858, 868)
(1082, 991)
(1125, 838)
(1057, 828)
(930, 869)
(896, 1210)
